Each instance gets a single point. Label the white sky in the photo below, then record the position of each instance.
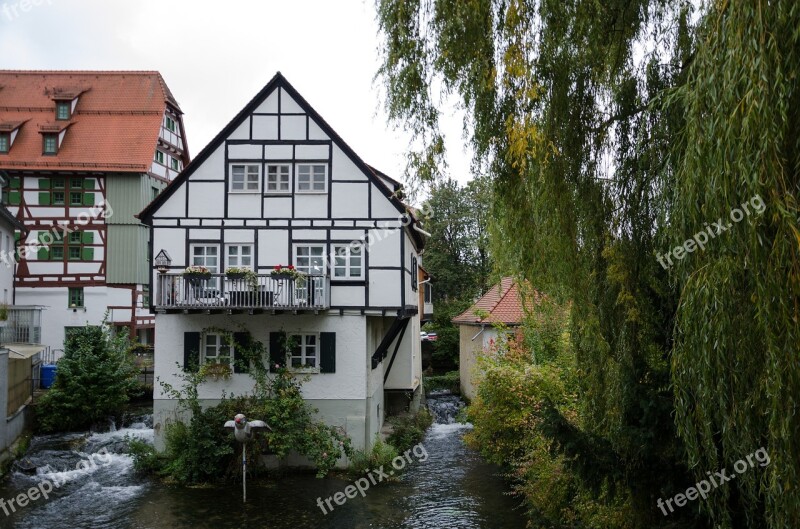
(215, 56)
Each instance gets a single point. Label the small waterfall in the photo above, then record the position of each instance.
(89, 477)
(445, 407)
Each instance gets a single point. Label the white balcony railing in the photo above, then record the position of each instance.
(176, 291)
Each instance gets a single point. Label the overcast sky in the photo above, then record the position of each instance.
(215, 56)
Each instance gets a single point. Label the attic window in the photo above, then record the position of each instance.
(50, 143)
(63, 110)
(169, 123)
(4, 142)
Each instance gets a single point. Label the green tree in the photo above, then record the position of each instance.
(457, 253)
(457, 256)
(613, 131)
(94, 381)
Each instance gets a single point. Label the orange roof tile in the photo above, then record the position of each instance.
(115, 126)
(501, 304)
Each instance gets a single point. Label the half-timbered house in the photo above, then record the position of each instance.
(278, 187)
(83, 153)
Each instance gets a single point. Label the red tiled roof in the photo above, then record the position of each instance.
(115, 126)
(501, 304)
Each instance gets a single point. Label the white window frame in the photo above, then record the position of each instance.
(219, 345)
(308, 269)
(344, 261)
(174, 163)
(160, 158)
(170, 124)
(238, 258)
(300, 168)
(212, 283)
(304, 347)
(247, 181)
(279, 180)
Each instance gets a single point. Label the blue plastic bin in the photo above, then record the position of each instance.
(48, 375)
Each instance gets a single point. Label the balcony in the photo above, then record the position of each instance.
(24, 325)
(219, 293)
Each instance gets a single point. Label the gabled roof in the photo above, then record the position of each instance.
(115, 127)
(279, 81)
(501, 304)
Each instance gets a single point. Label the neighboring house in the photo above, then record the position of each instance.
(501, 307)
(20, 332)
(278, 186)
(83, 153)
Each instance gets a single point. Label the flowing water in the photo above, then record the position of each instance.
(452, 488)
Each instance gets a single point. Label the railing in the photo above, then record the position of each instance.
(24, 325)
(265, 291)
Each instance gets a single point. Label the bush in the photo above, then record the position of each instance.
(381, 455)
(201, 450)
(409, 430)
(450, 381)
(95, 380)
(146, 460)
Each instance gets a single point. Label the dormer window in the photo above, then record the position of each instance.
(50, 144)
(4, 143)
(63, 110)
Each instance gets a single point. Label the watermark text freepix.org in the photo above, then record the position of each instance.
(702, 237)
(702, 488)
(46, 486)
(57, 233)
(373, 477)
(14, 10)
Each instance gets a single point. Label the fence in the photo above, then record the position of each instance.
(21, 379)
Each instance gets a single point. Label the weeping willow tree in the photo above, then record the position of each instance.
(613, 131)
(736, 360)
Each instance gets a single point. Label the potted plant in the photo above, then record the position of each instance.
(216, 371)
(3, 314)
(236, 273)
(286, 272)
(195, 274)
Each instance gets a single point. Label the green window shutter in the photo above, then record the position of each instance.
(240, 365)
(44, 183)
(88, 237)
(44, 199)
(191, 351)
(88, 254)
(327, 357)
(17, 235)
(88, 199)
(15, 183)
(14, 198)
(43, 254)
(88, 183)
(277, 354)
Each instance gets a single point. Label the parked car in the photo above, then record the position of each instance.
(432, 336)
(423, 336)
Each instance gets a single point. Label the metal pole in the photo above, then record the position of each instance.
(244, 472)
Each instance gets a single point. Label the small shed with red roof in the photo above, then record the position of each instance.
(501, 306)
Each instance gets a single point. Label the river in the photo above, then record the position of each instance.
(452, 488)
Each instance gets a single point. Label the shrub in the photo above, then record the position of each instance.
(95, 380)
(450, 381)
(409, 430)
(200, 450)
(381, 455)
